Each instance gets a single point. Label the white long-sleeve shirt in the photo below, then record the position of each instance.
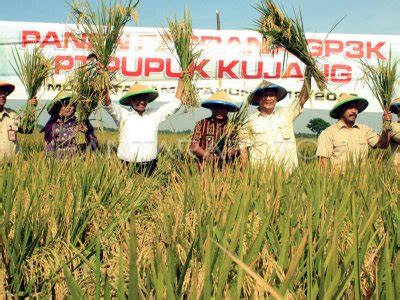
(138, 133)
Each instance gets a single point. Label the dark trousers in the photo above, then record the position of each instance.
(147, 168)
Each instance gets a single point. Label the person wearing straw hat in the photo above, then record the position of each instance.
(138, 125)
(347, 140)
(395, 134)
(270, 133)
(10, 122)
(208, 141)
(62, 131)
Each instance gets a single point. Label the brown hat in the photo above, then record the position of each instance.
(138, 89)
(395, 106)
(7, 87)
(281, 92)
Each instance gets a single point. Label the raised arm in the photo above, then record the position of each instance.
(172, 107)
(305, 89)
(115, 111)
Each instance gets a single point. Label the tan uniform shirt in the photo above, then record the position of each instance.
(9, 119)
(395, 142)
(271, 138)
(339, 143)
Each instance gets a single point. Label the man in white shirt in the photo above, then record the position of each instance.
(139, 126)
(270, 134)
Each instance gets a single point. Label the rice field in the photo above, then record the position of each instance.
(88, 229)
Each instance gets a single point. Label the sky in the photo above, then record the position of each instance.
(360, 17)
(366, 17)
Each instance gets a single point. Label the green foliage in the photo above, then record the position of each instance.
(87, 228)
(280, 31)
(33, 68)
(382, 79)
(104, 28)
(317, 125)
(178, 38)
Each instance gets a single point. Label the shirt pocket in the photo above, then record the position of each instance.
(340, 147)
(285, 131)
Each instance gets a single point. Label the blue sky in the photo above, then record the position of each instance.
(368, 17)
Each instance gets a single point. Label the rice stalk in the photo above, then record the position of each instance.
(280, 31)
(33, 69)
(178, 38)
(104, 27)
(382, 79)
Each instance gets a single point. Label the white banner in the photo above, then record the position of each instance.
(234, 56)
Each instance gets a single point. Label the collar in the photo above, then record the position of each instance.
(134, 112)
(340, 124)
(212, 120)
(259, 114)
(6, 112)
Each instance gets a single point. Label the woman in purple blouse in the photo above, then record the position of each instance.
(62, 131)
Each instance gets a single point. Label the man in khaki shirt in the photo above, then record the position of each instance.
(395, 134)
(347, 140)
(9, 122)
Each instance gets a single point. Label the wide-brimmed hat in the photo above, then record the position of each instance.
(281, 92)
(138, 89)
(54, 106)
(395, 106)
(220, 98)
(345, 99)
(7, 87)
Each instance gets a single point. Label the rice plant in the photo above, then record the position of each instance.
(33, 69)
(87, 228)
(382, 78)
(280, 31)
(104, 27)
(178, 38)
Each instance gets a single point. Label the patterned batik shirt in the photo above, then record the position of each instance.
(209, 134)
(61, 138)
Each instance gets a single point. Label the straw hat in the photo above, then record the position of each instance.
(220, 98)
(281, 92)
(7, 87)
(138, 89)
(343, 100)
(395, 106)
(53, 107)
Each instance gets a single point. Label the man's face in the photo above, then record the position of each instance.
(350, 113)
(3, 98)
(139, 103)
(67, 111)
(268, 100)
(220, 113)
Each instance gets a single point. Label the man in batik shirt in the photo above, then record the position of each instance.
(210, 140)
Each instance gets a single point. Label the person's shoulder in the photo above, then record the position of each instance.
(329, 130)
(253, 116)
(364, 127)
(396, 126)
(11, 112)
(203, 121)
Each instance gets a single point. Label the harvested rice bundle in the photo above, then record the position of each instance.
(382, 79)
(33, 68)
(178, 39)
(280, 31)
(104, 27)
(84, 96)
